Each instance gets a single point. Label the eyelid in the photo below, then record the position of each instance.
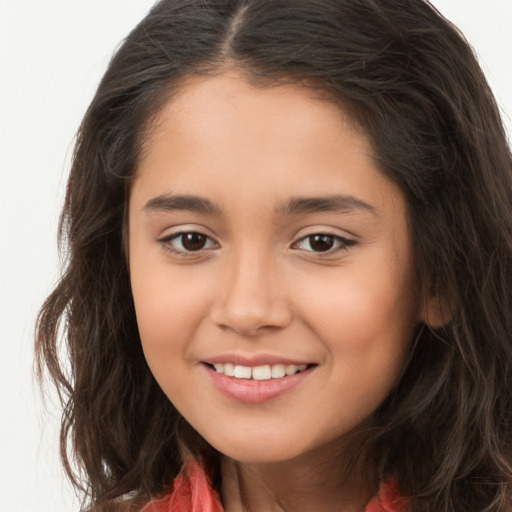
(167, 240)
(179, 229)
(344, 242)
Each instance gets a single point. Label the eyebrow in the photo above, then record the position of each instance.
(331, 203)
(296, 205)
(169, 202)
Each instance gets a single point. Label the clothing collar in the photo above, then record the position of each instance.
(192, 491)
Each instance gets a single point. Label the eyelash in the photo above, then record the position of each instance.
(168, 244)
(339, 244)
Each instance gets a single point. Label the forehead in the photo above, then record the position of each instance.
(207, 112)
(202, 103)
(223, 136)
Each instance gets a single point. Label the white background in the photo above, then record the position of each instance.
(52, 55)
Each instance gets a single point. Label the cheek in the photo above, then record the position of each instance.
(366, 322)
(365, 318)
(167, 319)
(169, 303)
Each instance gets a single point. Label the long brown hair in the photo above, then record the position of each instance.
(413, 84)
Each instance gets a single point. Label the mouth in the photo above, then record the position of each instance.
(261, 373)
(259, 383)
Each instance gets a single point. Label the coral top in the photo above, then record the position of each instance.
(192, 491)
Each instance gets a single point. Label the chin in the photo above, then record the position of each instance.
(256, 450)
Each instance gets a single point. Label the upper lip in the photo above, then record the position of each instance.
(254, 360)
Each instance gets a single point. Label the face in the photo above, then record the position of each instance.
(271, 268)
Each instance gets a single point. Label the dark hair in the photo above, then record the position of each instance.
(413, 84)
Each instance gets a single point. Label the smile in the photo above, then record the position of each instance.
(258, 383)
(263, 372)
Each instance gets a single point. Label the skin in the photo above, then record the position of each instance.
(259, 284)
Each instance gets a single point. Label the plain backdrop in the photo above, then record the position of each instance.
(52, 55)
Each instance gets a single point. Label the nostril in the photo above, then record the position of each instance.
(248, 331)
(249, 306)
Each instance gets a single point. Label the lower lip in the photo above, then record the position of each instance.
(256, 391)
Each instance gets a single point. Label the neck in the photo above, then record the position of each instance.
(311, 482)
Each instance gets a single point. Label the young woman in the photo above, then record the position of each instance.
(289, 230)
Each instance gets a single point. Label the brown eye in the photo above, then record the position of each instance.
(324, 243)
(193, 241)
(321, 243)
(188, 242)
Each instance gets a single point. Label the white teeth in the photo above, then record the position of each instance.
(264, 372)
(291, 369)
(278, 371)
(242, 372)
(229, 369)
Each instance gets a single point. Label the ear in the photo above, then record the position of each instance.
(437, 309)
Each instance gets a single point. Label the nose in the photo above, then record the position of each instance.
(251, 297)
